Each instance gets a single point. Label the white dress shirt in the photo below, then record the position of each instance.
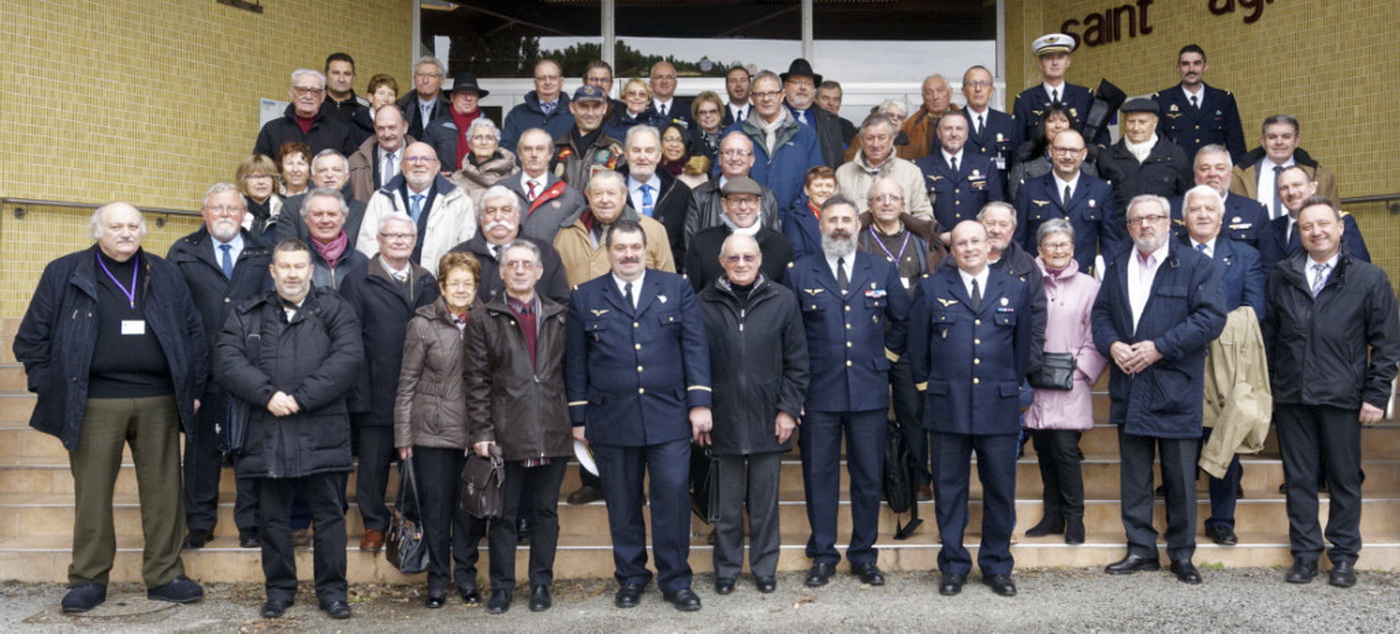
(236, 247)
(636, 287)
(1268, 186)
(634, 189)
(1311, 272)
(850, 261)
(1140, 279)
(1210, 246)
(981, 278)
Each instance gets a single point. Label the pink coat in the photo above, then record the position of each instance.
(1069, 298)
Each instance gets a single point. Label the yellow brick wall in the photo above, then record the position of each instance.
(151, 101)
(1331, 63)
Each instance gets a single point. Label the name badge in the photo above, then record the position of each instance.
(133, 327)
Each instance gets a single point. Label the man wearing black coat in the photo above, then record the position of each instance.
(291, 356)
(742, 200)
(307, 120)
(1141, 162)
(329, 170)
(384, 295)
(656, 193)
(500, 225)
(800, 93)
(758, 358)
(223, 265)
(1332, 335)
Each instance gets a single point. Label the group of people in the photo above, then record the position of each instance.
(403, 280)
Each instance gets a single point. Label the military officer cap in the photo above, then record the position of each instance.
(1053, 43)
(1142, 104)
(590, 93)
(741, 185)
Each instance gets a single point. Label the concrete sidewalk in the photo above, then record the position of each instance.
(1050, 600)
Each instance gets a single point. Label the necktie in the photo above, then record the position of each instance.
(226, 260)
(416, 208)
(842, 280)
(647, 202)
(953, 161)
(631, 301)
(663, 109)
(1195, 103)
(388, 172)
(427, 113)
(981, 124)
(1278, 201)
(530, 190)
(496, 252)
(1055, 95)
(802, 116)
(1068, 193)
(976, 295)
(1319, 277)
(547, 107)
(1205, 250)
(1293, 242)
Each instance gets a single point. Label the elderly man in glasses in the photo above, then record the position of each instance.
(742, 199)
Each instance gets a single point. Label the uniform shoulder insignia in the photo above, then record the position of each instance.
(1040, 203)
(933, 177)
(599, 313)
(1343, 214)
(813, 291)
(946, 302)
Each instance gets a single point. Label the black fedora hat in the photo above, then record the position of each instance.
(801, 66)
(467, 81)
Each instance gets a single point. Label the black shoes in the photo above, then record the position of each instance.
(178, 590)
(1001, 584)
(628, 596)
(1223, 535)
(684, 600)
(1046, 526)
(1343, 574)
(1074, 531)
(435, 600)
(724, 585)
(197, 538)
(951, 584)
(766, 585)
(1303, 571)
(248, 538)
(539, 599)
(584, 495)
(337, 609)
(83, 597)
(470, 596)
(820, 574)
(1131, 564)
(1186, 572)
(499, 602)
(869, 574)
(275, 608)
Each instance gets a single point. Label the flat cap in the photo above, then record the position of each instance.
(1142, 104)
(1053, 43)
(741, 185)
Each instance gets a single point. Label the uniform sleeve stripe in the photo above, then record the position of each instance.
(698, 387)
(922, 387)
(573, 403)
(894, 358)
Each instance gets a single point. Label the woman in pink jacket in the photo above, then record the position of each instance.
(1057, 418)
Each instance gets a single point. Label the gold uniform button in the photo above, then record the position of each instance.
(849, 344)
(974, 362)
(637, 346)
(976, 380)
(977, 322)
(975, 342)
(848, 364)
(848, 326)
(636, 325)
(639, 368)
(642, 390)
(848, 309)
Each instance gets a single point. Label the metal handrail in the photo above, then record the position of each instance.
(1370, 199)
(20, 213)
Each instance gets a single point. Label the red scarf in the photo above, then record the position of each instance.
(464, 123)
(305, 123)
(331, 251)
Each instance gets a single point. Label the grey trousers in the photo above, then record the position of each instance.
(748, 483)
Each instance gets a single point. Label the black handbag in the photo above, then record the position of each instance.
(483, 482)
(901, 474)
(704, 484)
(1056, 372)
(404, 546)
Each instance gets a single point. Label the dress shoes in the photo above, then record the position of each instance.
(275, 608)
(1074, 531)
(628, 596)
(499, 603)
(1046, 526)
(820, 574)
(869, 574)
(684, 600)
(373, 541)
(197, 538)
(766, 585)
(584, 495)
(1343, 574)
(1133, 563)
(249, 538)
(435, 601)
(1303, 571)
(177, 590)
(540, 599)
(1001, 584)
(1223, 535)
(337, 609)
(951, 584)
(1186, 572)
(470, 596)
(82, 597)
(724, 585)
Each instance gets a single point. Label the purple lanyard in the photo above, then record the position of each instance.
(893, 257)
(135, 266)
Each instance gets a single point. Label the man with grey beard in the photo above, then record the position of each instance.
(854, 308)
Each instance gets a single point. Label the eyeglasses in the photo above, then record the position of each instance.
(427, 75)
(520, 264)
(885, 198)
(226, 210)
(1066, 151)
(1149, 219)
(483, 137)
(767, 94)
(802, 81)
(308, 90)
(1057, 246)
(419, 159)
(747, 258)
(736, 153)
(742, 201)
(978, 84)
(469, 286)
(397, 237)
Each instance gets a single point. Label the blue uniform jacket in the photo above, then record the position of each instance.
(958, 197)
(633, 375)
(1241, 279)
(1098, 228)
(1275, 245)
(994, 141)
(1217, 121)
(1243, 218)
(970, 363)
(1033, 101)
(1184, 313)
(851, 340)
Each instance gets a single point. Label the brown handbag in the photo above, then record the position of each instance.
(483, 481)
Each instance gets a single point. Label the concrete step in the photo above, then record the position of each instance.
(8, 327)
(12, 377)
(46, 558)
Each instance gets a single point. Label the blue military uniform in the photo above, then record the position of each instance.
(632, 376)
(970, 362)
(851, 339)
(1033, 101)
(1216, 120)
(1243, 218)
(1276, 243)
(1098, 228)
(993, 140)
(958, 196)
